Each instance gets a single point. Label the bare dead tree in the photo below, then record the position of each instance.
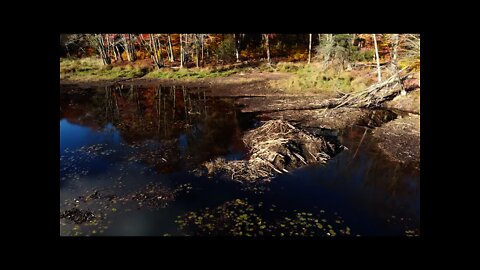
(170, 48)
(237, 43)
(98, 41)
(154, 47)
(378, 59)
(129, 47)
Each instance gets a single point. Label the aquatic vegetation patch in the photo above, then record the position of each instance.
(78, 216)
(152, 196)
(241, 218)
(74, 163)
(79, 219)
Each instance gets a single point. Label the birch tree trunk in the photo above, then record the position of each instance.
(202, 49)
(170, 47)
(236, 46)
(268, 48)
(118, 53)
(131, 49)
(378, 59)
(310, 48)
(168, 52)
(197, 45)
(100, 45)
(153, 48)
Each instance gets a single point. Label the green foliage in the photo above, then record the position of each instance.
(280, 49)
(192, 73)
(288, 67)
(363, 55)
(226, 50)
(242, 218)
(93, 69)
(338, 49)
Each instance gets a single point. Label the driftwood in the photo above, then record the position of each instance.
(370, 97)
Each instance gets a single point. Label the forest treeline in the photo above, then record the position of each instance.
(198, 50)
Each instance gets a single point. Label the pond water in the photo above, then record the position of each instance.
(120, 144)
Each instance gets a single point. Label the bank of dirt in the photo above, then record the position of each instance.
(400, 139)
(409, 103)
(339, 118)
(237, 85)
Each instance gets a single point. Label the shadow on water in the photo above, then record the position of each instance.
(117, 140)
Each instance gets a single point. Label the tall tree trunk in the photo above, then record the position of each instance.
(236, 46)
(310, 48)
(181, 52)
(268, 48)
(186, 49)
(170, 47)
(115, 55)
(192, 41)
(197, 47)
(118, 53)
(131, 48)
(107, 45)
(156, 50)
(128, 48)
(151, 49)
(167, 51)
(202, 49)
(159, 45)
(68, 53)
(378, 59)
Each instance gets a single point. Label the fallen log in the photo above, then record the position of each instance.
(370, 97)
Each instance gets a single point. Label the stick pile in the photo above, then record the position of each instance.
(276, 147)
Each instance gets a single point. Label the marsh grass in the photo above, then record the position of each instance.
(192, 73)
(314, 78)
(92, 69)
(305, 78)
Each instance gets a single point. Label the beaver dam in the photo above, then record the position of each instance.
(276, 147)
(179, 161)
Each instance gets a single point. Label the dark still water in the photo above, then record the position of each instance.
(130, 157)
